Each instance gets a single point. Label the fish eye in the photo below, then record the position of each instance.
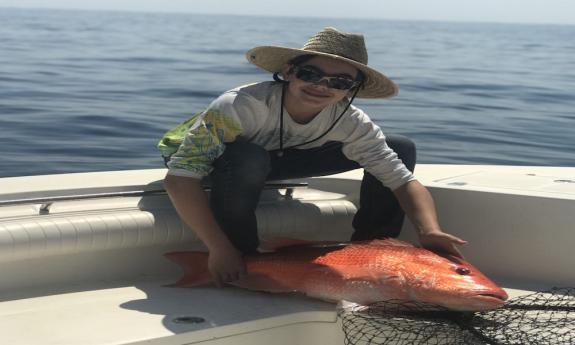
(463, 271)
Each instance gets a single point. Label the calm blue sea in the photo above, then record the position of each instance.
(92, 91)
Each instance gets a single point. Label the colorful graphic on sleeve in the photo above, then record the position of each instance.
(173, 138)
(196, 143)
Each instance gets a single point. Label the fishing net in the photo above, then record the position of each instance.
(540, 318)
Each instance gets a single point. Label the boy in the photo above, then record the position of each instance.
(300, 125)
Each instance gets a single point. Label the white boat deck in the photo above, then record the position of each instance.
(92, 271)
(150, 311)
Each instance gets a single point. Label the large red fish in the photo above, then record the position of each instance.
(360, 272)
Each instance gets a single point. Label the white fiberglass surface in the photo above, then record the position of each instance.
(145, 311)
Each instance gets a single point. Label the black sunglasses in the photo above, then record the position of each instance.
(314, 75)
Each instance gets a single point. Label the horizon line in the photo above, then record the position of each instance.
(187, 12)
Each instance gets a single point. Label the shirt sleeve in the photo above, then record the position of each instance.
(205, 140)
(366, 145)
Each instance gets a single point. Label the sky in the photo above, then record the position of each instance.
(506, 11)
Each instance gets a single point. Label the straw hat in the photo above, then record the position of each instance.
(332, 43)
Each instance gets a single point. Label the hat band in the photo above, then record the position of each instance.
(356, 59)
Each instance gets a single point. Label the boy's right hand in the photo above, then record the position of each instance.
(226, 265)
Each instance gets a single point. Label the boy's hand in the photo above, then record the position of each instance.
(226, 265)
(440, 241)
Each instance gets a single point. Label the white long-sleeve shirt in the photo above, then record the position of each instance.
(251, 113)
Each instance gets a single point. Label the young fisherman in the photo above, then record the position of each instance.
(301, 124)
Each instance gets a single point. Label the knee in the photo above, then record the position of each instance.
(405, 149)
(250, 161)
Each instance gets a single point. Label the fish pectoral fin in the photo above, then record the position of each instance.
(261, 282)
(391, 278)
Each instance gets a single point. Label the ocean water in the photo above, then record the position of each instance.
(92, 91)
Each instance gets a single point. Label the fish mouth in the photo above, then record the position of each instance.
(495, 298)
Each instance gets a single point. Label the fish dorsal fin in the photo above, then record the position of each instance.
(390, 242)
(273, 244)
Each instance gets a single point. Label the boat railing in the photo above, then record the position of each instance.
(47, 201)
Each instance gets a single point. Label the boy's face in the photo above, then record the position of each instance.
(311, 96)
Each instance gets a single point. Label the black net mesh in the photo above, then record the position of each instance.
(546, 317)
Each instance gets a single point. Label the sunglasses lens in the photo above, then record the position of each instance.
(341, 83)
(310, 75)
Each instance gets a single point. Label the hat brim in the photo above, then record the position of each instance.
(272, 59)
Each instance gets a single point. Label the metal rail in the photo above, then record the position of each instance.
(47, 201)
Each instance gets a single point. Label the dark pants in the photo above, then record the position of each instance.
(240, 173)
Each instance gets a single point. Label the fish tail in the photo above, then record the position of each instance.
(195, 266)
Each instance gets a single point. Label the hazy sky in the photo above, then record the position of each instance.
(514, 11)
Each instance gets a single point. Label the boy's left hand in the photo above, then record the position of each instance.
(440, 241)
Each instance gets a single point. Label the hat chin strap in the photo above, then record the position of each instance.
(278, 79)
(280, 153)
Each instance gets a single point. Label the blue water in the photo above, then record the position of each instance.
(92, 91)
